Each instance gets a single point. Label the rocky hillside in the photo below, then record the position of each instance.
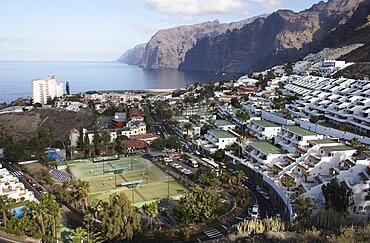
(282, 37)
(26, 125)
(167, 48)
(133, 56)
(262, 42)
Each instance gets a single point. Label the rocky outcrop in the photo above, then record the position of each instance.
(133, 56)
(261, 42)
(282, 37)
(167, 48)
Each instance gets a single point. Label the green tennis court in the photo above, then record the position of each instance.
(156, 183)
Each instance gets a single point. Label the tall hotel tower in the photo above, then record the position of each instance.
(45, 88)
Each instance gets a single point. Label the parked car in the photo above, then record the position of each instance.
(255, 212)
(40, 190)
(168, 159)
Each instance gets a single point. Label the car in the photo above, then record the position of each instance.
(159, 133)
(33, 184)
(255, 212)
(265, 195)
(168, 159)
(39, 189)
(29, 180)
(178, 166)
(175, 164)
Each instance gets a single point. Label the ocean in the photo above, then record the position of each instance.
(16, 77)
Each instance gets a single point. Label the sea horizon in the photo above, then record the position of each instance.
(83, 76)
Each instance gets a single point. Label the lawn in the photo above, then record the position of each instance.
(103, 184)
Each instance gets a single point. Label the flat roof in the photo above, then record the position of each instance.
(266, 148)
(264, 123)
(300, 131)
(323, 141)
(223, 123)
(221, 134)
(338, 148)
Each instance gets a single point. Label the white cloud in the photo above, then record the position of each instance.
(269, 4)
(196, 7)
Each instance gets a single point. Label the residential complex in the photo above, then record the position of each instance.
(13, 188)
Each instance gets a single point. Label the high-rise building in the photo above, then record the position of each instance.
(45, 88)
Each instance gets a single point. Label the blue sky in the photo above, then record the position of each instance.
(100, 30)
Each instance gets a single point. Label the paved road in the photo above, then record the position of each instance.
(8, 239)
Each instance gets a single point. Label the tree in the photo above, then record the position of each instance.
(235, 103)
(288, 181)
(96, 141)
(106, 138)
(6, 204)
(219, 155)
(336, 197)
(151, 210)
(198, 206)
(78, 235)
(81, 142)
(242, 116)
(188, 126)
(357, 145)
(303, 208)
(239, 177)
(68, 89)
(120, 221)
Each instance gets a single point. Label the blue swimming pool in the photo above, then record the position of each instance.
(53, 155)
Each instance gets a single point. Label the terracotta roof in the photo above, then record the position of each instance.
(135, 112)
(137, 144)
(145, 136)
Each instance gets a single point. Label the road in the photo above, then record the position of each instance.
(16, 171)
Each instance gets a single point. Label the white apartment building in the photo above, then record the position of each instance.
(292, 137)
(194, 131)
(11, 186)
(342, 101)
(45, 88)
(136, 128)
(264, 154)
(263, 130)
(215, 140)
(224, 125)
(330, 66)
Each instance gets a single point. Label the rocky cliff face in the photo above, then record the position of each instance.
(282, 37)
(261, 42)
(133, 56)
(167, 48)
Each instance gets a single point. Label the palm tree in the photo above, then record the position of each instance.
(89, 148)
(97, 206)
(79, 235)
(188, 126)
(239, 177)
(84, 189)
(6, 204)
(240, 140)
(151, 210)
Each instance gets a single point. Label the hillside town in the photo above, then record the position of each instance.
(291, 132)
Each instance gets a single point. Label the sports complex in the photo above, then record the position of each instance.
(138, 177)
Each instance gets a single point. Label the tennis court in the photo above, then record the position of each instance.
(156, 184)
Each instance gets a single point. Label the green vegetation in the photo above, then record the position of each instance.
(40, 220)
(198, 206)
(336, 197)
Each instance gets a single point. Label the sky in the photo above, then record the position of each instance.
(101, 30)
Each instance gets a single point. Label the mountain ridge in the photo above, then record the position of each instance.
(260, 42)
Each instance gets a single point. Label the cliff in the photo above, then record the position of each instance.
(133, 56)
(282, 37)
(261, 42)
(167, 48)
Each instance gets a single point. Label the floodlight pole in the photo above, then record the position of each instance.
(115, 180)
(131, 160)
(132, 194)
(146, 170)
(103, 166)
